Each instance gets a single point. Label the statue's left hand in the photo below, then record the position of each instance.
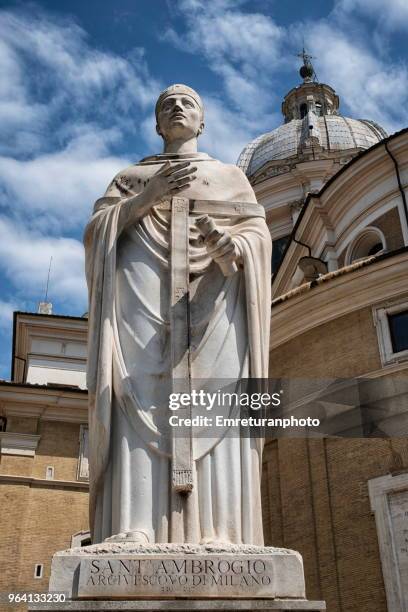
(221, 246)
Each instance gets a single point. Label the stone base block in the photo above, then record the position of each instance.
(218, 605)
(126, 570)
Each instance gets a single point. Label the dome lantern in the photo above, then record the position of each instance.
(313, 128)
(310, 95)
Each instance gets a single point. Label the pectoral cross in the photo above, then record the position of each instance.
(182, 460)
(182, 445)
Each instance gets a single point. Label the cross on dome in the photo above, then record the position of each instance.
(307, 71)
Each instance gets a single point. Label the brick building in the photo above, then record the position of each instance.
(43, 438)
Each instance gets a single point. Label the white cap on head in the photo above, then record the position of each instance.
(178, 88)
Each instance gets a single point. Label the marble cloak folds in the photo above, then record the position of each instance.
(127, 274)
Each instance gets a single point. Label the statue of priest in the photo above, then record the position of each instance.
(171, 304)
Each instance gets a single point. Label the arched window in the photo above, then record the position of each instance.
(376, 248)
(371, 241)
(318, 107)
(80, 539)
(303, 110)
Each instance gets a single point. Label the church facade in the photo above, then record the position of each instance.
(334, 192)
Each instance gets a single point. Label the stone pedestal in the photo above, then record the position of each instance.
(121, 575)
(128, 570)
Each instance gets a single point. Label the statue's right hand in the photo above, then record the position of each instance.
(168, 181)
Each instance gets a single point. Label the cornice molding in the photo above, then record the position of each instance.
(18, 444)
(42, 482)
(382, 280)
(43, 403)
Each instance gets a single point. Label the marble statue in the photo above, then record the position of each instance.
(178, 269)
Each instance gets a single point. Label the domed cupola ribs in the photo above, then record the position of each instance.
(313, 129)
(377, 129)
(346, 121)
(310, 135)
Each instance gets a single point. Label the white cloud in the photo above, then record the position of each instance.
(224, 32)
(25, 258)
(42, 190)
(240, 47)
(14, 104)
(6, 314)
(74, 69)
(150, 136)
(65, 107)
(244, 50)
(51, 76)
(370, 87)
(390, 14)
(227, 132)
(249, 50)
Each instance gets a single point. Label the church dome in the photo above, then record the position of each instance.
(331, 133)
(313, 128)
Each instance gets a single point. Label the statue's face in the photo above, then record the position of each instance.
(179, 117)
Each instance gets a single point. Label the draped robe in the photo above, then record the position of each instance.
(129, 363)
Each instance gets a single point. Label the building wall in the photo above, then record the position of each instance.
(315, 491)
(344, 347)
(59, 447)
(42, 521)
(316, 500)
(39, 517)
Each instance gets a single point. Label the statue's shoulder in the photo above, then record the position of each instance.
(235, 181)
(128, 181)
(232, 170)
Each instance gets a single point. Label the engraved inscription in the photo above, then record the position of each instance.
(177, 576)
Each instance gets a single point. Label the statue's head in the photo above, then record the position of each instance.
(179, 113)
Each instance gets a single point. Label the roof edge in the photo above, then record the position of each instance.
(325, 278)
(52, 388)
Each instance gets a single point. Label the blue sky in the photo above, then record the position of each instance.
(78, 82)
